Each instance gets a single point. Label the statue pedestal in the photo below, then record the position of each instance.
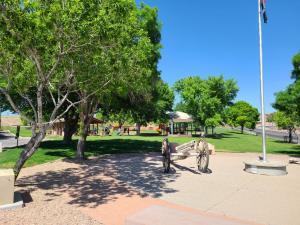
(8, 198)
(271, 168)
(7, 180)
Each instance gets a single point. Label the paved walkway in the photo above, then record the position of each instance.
(8, 140)
(110, 189)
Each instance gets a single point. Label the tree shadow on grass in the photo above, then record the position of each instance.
(286, 142)
(295, 152)
(97, 147)
(103, 179)
(102, 147)
(4, 136)
(150, 135)
(115, 146)
(221, 136)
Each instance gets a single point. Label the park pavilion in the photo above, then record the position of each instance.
(58, 127)
(181, 123)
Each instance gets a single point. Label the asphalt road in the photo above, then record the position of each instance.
(8, 140)
(283, 136)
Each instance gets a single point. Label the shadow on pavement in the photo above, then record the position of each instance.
(184, 168)
(97, 181)
(5, 136)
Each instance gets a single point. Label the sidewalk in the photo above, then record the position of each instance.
(8, 140)
(113, 188)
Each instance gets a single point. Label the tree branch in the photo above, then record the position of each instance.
(14, 106)
(51, 94)
(31, 105)
(37, 63)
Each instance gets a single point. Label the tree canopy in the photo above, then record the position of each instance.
(52, 49)
(296, 65)
(285, 121)
(206, 99)
(287, 102)
(242, 114)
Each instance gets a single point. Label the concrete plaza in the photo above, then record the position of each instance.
(111, 188)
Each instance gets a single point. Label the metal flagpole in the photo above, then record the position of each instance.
(261, 84)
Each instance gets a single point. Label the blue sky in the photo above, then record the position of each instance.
(221, 37)
(205, 37)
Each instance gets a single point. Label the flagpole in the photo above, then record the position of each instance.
(261, 84)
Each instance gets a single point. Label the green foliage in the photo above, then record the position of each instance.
(296, 64)
(94, 49)
(24, 122)
(155, 108)
(206, 99)
(287, 102)
(284, 121)
(214, 121)
(146, 97)
(122, 118)
(242, 114)
(25, 131)
(180, 106)
(270, 118)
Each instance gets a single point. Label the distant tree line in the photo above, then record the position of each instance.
(211, 103)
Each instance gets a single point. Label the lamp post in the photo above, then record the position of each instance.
(261, 84)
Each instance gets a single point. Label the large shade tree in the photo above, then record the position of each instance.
(153, 109)
(242, 114)
(145, 100)
(52, 49)
(207, 99)
(286, 122)
(142, 108)
(287, 102)
(128, 67)
(36, 39)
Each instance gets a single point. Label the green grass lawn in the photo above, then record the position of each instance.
(226, 140)
(24, 131)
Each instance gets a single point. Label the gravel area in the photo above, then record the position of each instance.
(44, 206)
(41, 211)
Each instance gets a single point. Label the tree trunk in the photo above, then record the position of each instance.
(29, 149)
(242, 129)
(70, 128)
(206, 130)
(138, 129)
(86, 114)
(81, 144)
(212, 130)
(84, 129)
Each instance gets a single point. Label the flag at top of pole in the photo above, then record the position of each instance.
(263, 10)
